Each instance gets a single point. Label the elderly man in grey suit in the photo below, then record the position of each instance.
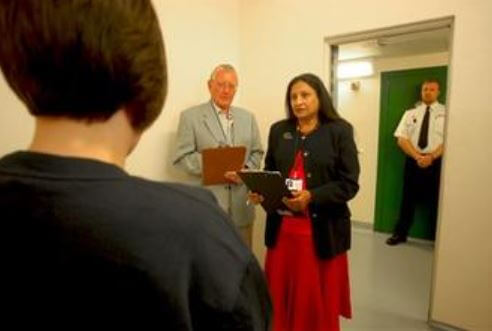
(216, 123)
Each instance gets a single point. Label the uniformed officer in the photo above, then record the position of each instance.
(420, 136)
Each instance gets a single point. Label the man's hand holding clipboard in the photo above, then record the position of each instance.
(220, 164)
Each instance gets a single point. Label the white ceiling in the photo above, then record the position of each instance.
(398, 45)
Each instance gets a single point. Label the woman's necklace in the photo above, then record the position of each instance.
(307, 128)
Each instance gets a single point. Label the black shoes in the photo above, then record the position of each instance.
(395, 240)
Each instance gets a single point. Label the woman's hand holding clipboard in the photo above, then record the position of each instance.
(267, 188)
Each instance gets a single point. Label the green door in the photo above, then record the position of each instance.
(400, 90)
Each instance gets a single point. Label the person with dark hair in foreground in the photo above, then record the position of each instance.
(306, 263)
(85, 243)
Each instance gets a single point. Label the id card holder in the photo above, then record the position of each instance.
(294, 184)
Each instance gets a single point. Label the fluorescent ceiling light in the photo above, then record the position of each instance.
(354, 69)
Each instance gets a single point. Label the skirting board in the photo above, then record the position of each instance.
(443, 326)
(362, 225)
(359, 225)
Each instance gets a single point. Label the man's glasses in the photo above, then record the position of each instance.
(224, 85)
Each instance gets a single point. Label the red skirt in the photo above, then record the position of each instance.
(309, 294)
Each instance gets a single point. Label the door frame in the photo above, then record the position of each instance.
(329, 73)
(382, 225)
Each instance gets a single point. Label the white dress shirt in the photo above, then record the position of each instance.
(226, 122)
(411, 124)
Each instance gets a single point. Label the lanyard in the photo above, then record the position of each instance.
(227, 135)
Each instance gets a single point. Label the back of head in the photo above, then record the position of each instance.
(84, 59)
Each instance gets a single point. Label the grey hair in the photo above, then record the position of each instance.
(220, 67)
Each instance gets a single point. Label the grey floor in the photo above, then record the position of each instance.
(390, 285)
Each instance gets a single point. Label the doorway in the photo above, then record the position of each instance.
(417, 51)
(357, 96)
(399, 92)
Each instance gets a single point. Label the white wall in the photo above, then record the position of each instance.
(281, 38)
(16, 125)
(198, 36)
(362, 108)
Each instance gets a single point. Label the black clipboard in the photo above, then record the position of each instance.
(270, 184)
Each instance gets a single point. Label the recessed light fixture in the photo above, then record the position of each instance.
(354, 69)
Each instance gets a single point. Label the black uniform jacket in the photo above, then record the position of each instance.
(331, 169)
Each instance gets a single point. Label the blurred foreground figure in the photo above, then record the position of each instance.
(86, 244)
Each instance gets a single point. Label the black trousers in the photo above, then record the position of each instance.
(421, 185)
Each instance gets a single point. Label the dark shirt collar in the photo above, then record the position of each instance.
(35, 164)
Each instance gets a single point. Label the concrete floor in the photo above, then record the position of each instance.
(390, 285)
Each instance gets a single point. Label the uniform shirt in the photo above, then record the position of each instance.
(411, 123)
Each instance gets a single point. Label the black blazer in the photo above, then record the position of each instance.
(332, 171)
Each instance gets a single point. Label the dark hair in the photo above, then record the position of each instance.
(430, 81)
(327, 112)
(84, 59)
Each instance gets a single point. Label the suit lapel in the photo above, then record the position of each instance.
(292, 138)
(238, 126)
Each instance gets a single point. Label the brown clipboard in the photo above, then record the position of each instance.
(217, 161)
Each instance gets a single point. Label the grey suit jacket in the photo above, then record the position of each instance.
(199, 128)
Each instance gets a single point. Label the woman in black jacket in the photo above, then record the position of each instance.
(306, 263)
